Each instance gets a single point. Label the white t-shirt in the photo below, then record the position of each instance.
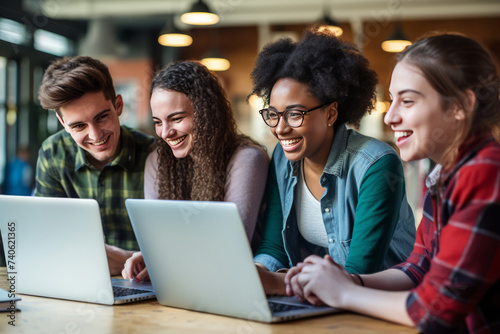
(308, 211)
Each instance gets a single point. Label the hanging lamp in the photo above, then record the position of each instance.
(214, 60)
(172, 36)
(101, 40)
(397, 41)
(326, 23)
(199, 14)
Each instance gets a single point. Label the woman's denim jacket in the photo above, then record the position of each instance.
(350, 157)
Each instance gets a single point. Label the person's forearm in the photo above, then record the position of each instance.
(276, 284)
(387, 305)
(273, 283)
(321, 279)
(389, 280)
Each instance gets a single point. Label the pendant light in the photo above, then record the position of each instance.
(397, 41)
(200, 14)
(101, 40)
(326, 23)
(214, 61)
(172, 36)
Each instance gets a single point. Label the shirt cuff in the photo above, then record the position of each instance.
(269, 262)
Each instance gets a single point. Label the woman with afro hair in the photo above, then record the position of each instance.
(200, 155)
(330, 190)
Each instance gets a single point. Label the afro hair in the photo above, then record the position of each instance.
(333, 70)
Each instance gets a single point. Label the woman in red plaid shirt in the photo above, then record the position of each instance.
(446, 107)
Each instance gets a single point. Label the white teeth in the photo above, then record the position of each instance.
(399, 134)
(177, 141)
(101, 142)
(289, 142)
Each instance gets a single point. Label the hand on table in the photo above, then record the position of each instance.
(272, 282)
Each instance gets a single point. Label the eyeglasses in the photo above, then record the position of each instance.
(293, 117)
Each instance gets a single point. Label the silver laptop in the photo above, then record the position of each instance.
(198, 258)
(54, 247)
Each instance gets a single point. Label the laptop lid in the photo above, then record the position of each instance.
(54, 247)
(199, 258)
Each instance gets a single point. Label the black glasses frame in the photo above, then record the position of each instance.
(282, 113)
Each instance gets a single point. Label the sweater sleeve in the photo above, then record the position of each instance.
(150, 172)
(377, 212)
(245, 184)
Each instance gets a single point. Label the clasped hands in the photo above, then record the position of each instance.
(319, 281)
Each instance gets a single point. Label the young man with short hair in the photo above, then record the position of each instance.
(93, 157)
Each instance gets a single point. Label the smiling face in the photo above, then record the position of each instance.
(422, 127)
(173, 117)
(312, 140)
(92, 121)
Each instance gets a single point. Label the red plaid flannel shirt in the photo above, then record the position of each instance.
(455, 263)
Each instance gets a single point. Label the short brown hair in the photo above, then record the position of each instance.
(70, 78)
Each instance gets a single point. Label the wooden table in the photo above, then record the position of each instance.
(46, 315)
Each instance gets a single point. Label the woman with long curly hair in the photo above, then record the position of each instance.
(330, 189)
(200, 155)
(446, 107)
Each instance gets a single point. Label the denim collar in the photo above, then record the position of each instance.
(335, 160)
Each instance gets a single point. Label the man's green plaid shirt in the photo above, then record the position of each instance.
(64, 171)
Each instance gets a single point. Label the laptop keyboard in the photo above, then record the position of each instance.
(282, 307)
(120, 292)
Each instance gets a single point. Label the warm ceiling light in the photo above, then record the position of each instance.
(170, 35)
(397, 42)
(199, 14)
(326, 23)
(216, 64)
(175, 40)
(214, 61)
(255, 102)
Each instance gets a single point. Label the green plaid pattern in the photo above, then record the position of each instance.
(64, 171)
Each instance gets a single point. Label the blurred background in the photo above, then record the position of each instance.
(125, 35)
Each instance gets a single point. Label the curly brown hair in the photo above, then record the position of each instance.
(202, 174)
